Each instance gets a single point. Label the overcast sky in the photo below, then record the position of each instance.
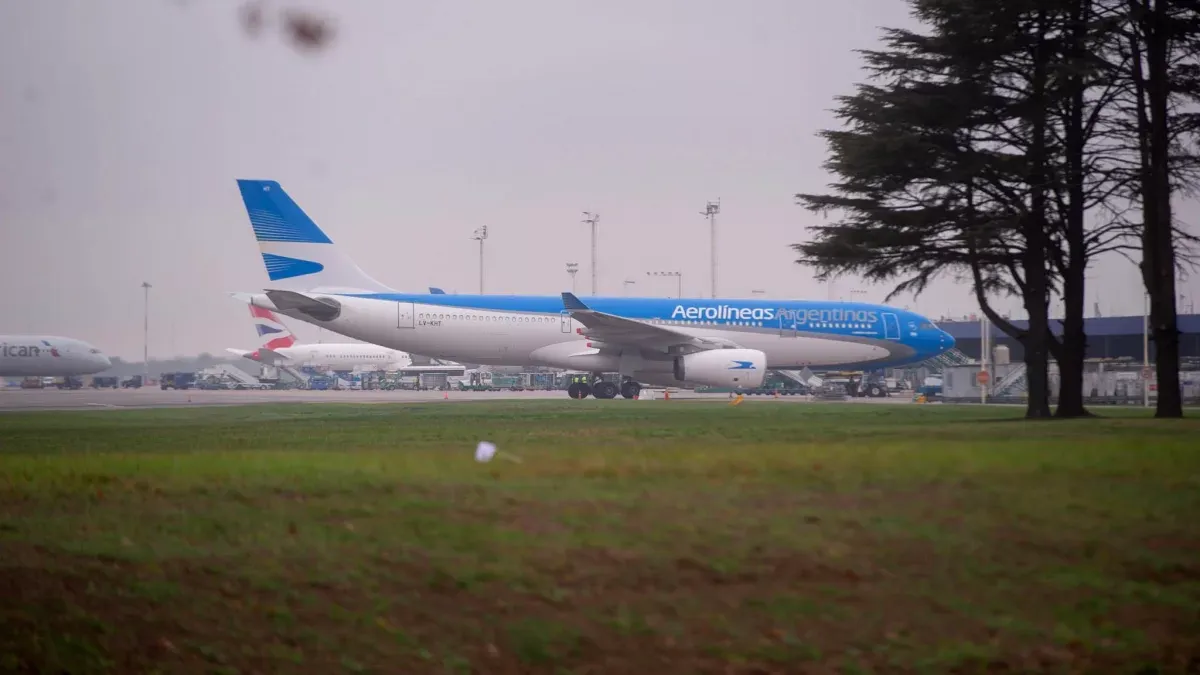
(123, 126)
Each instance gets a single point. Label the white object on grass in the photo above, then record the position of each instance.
(485, 451)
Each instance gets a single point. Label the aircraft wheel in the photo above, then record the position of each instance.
(578, 390)
(630, 389)
(604, 390)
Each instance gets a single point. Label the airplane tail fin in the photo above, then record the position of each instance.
(297, 255)
(271, 329)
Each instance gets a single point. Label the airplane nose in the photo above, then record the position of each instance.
(105, 361)
(947, 340)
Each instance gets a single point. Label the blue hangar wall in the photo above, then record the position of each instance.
(1109, 337)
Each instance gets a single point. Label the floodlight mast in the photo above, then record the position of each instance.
(711, 209)
(591, 219)
(480, 235)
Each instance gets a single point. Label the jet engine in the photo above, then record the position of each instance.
(723, 368)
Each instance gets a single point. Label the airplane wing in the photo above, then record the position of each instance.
(619, 330)
(270, 356)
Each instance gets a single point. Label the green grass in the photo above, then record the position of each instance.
(632, 537)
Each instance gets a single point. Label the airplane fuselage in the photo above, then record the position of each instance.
(536, 330)
(49, 356)
(344, 356)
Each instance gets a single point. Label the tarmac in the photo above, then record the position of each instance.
(124, 399)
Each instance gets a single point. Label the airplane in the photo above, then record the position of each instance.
(281, 349)
(49, 356)
(660, 342)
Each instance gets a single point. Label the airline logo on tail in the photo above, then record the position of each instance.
(297, 255)
(267, 324)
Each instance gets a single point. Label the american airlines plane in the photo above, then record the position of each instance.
(281, 349)
(654, 341)
(49, 356)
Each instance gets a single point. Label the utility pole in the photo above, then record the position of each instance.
(480, 236)
(711, 209)
(1146, 352)
(146, 333)
(678, 279)
(591, 219)
(572, 269)
(985, 346)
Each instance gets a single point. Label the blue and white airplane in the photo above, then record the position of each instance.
(653, 341)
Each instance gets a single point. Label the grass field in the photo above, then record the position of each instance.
(648, 538)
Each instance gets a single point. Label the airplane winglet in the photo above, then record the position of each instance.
(573, 304)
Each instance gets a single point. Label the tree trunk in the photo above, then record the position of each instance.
(1074, 339)
(1034, 262)
(1149, 75)
(1159, 256)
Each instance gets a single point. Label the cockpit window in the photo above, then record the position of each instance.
(94, 351)
(925, 325)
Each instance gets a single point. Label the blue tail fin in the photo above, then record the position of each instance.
(297, 255)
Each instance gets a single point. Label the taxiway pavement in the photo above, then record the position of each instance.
(123, 399)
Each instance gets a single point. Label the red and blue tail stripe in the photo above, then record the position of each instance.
(267, 324)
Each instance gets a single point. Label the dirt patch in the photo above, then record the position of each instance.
(593, 610)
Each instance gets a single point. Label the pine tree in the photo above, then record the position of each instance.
(1019, 106)
(1157, 61)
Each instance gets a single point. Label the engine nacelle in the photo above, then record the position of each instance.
(723, 368)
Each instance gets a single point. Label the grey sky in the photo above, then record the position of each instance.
(124, 125)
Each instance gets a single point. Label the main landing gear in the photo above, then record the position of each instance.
(602, 389)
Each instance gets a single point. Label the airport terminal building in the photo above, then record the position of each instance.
(1113, 371)
(1110, 337)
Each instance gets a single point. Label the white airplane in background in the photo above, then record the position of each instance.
(281, 349)
(49, 356)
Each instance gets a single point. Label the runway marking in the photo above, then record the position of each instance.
(106, 405)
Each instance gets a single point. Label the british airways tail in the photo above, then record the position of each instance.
(297, 255)
(271, 329)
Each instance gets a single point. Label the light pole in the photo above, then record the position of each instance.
(1146, 352)
(146, 333)
(591, 219)
(480, 236)
(572, 269)
(627, 284)
(711, 209)
(985, 345)
(678, 278)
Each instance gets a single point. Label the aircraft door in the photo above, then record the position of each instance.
(406, 315)
(788, 327)
(565, 321)
(891, 326)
